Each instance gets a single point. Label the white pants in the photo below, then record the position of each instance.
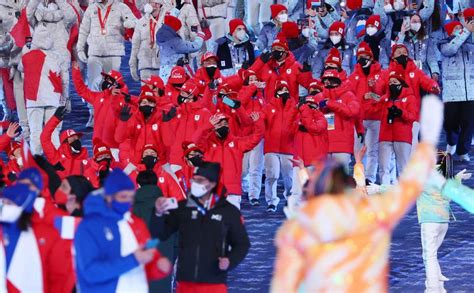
(372, 132)
(252, 168)
(344, 158)
(274, 164)
(20, 105)
(257, 13)
(432, 236)
(402, 151)
(37, 118)
(297, 187)
(146, 73)
(415, 132)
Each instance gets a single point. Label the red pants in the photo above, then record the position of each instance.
(188, 287)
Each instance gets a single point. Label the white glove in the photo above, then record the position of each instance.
(82, 56)
(133, 73)
(462, 175)
(148, 9)
(373, 189)
(431, 119)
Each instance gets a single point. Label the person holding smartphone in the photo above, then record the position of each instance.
(212, 236)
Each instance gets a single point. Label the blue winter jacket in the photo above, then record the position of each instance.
(423, 51)
(267, 35)
(347, 54)
(99, 263)
(458, 67)
(173, 47)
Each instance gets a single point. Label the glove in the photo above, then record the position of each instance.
(462, 175)
(431, 119)
(11, 176)
(134, 73)
(181, 62)
(302, 128)
(82, 56)
(170, 115)
(59, 167)
(126, 97)
(125, 113)
(397, 112)
(323, 104)
(266, 56)
(361, 136)
(306, 67)
(60, 113)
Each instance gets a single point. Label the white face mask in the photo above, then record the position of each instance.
(148, 9)
(10, 213)
(335, 39)
(371, 30)
(388, 8)
(415, 26)
(398, 5)
(198, 190)
(241, 35)
(19, 161)
(305, 32)
(282, 18)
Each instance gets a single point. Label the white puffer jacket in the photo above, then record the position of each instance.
(112, 43)
(8, 9)
(189, 18)
(144, 54)
(56, 18)
(212, 8)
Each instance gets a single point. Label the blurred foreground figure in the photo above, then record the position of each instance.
(339, 240)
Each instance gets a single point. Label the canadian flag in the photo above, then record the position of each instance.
(21, 30)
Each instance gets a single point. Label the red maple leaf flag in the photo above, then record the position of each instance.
(21, 30)
(57, 82)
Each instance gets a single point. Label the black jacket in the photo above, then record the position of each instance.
(203, 239)
(225, 57)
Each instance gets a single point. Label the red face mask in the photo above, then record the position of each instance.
(60, 197)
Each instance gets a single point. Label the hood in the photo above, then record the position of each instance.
(42, 40)
(95, 205)
(165, 33)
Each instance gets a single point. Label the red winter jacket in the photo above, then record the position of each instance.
(360, 86)
(106, 110)
(229, 153)
(252, 101)
(281, 124)
(92, 171)
(401, 128)
(202, 80)
(74, 164)
(290, 71)
(141, 133)
(416, 79)
(170, 186)
(190, 117)
(172, 94)
(345, 106)
(311, 141)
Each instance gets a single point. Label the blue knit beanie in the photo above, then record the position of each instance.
(117, 181)
(34, 175)
(21, 195)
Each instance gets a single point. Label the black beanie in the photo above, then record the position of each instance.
(209, 170)
(80, 186)
(147, 177)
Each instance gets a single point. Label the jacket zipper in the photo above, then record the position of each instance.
(198, 250)
(465, 80)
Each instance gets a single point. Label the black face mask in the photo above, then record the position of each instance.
(211, 71)
(77, 213)
(314, 93)
(402, 60)
(332, 68)
(333, 83)
(76, 146)
(106, 85)
(149, 162)
(177, 85)
(222, 132)
(284, 97)
(196, 161)
(277, 55)
(147, 110)
(395, 90)
(364, 62)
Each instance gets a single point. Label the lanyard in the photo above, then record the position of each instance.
(103, 21)
(152, 31)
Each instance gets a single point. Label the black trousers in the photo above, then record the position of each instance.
(459, 125)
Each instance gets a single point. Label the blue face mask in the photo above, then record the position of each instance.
(121, 207)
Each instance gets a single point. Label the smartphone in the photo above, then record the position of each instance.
(152, 243)
(172, 203)
(303, 22)
(228, 101)
(194, 28)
